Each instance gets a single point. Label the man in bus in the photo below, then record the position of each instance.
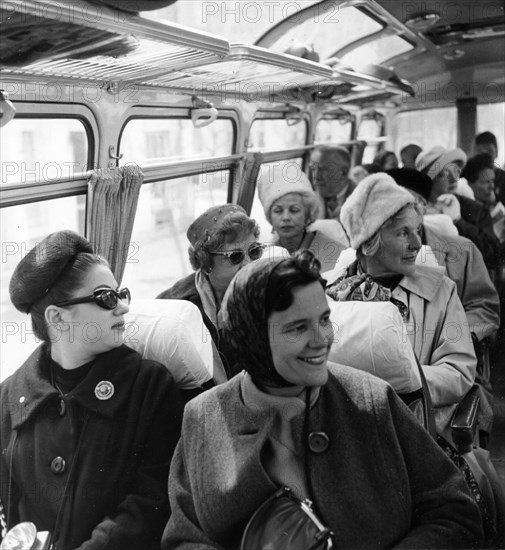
(329, 174)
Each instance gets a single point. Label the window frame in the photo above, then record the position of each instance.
(24, 193)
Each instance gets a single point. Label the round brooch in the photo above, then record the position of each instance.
(104, 390)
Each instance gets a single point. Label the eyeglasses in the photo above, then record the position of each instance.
(235, 257)
(105, 298)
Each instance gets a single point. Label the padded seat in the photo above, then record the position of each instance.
(370, 336)
(172, 332)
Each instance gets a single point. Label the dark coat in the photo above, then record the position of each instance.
(476, 224)
(381, 483)
(185, 289)
(116, 450)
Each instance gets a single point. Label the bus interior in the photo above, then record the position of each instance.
(199, 94)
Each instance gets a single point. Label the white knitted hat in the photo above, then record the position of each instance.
(432, 162)
(277, 181)
(375, 199)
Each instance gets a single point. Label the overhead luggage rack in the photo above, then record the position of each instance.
(91, 42)
(248, 70)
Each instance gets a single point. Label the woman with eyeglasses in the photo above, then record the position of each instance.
(222, 240)
(291, 206)
(88, 427)
(291, 427)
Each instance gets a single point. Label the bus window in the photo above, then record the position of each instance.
(490, 118)
(333, 130)
(328, 28)
(369, 130)
(276, 134)
(154, 139)
(377, 52)
(158, 252)
(43, 149)
(427, 128)
(22, 227)
(292, 166)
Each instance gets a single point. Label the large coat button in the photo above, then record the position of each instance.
(318, 442)
(58, 465)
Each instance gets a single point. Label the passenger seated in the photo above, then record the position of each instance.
(486, 143)
(408, 155)
(384, 225)
(222, 240)
(88, 427)
(329, 175)
(471, 219)
(386, 160)
(291, 206)
(465, 266)
(329, 433)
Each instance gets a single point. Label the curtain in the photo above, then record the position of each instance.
(112, 204)
(251, 170)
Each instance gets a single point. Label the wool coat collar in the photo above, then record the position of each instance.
(425, 282)
(31, 388)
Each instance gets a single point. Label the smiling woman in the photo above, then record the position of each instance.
(83, 385)
(385, 270)
(272, 430)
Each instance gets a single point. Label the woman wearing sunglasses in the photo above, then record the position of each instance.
(291, 206)
(334, 435)
(223, 239)
(88, 427)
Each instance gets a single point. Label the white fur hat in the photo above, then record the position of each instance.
(432, 162)
(277, 181)
(374, 200)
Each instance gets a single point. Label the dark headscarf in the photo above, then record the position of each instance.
(245, 322)
(37, 272)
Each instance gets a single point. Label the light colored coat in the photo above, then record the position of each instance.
(439, 333)
(465, 266)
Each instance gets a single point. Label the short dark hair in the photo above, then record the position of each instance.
(475, 165)
(299, 270)
(486, 137)
(62, 290)
(381, 157)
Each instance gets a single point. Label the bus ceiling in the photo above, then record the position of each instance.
(362, 52)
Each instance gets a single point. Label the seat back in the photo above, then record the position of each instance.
(172, 332)
(370, 336)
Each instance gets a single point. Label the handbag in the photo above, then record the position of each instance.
(284, 522)
(26, 537)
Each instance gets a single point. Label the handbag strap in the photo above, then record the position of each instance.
(429, 410)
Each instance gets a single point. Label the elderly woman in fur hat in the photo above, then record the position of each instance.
(88, 427)
(291, 205)
(339, 439)
(222, 240)
(384, 224)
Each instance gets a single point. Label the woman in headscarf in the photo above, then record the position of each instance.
(337, 436)
(384, 224)
(291, 206)
(88, 427)
(222, 240)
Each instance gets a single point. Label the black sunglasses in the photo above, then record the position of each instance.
(235, 257)
(106, 298)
